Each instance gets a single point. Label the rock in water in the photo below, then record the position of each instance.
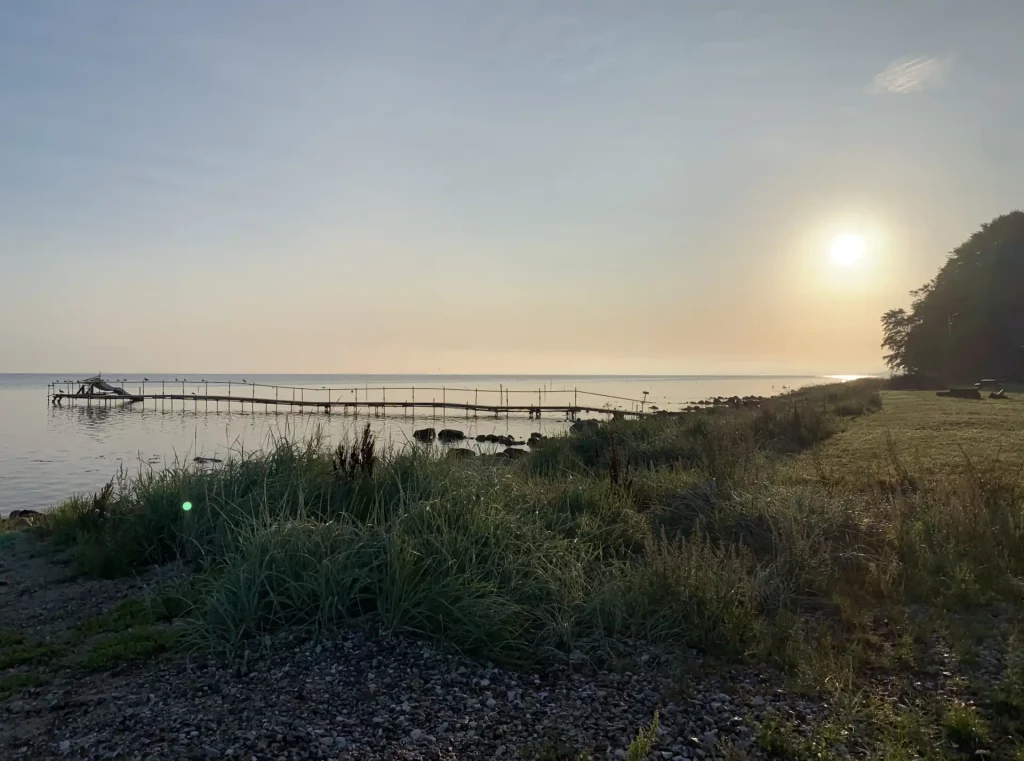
(581, 426)
(425, 435)
(446, 435)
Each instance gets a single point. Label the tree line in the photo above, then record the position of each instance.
(967, 322)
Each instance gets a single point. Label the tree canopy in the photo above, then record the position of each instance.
(968, 321)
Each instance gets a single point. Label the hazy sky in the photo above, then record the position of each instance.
(549, 186)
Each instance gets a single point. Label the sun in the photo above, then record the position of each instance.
(847, 249)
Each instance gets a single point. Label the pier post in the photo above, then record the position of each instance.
(476, 402)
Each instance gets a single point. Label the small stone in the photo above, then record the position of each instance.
(620, 753)
(485, 682)
(415, 735)
(757, 702)
(491, 702)
(65, 746)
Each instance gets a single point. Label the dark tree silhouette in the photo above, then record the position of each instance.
(968, 321)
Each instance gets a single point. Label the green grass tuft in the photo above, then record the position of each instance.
(965, 728)
(642, 746)
(134, 644)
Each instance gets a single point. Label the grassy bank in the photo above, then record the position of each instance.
(833, 533)
(661, 530)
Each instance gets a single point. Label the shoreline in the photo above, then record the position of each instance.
(564, 653)
(71, 448)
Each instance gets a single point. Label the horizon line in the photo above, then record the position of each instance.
(474, 375)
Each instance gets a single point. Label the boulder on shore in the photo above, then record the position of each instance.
(425, 435)
(24, 514)
(460, 453)
(514, 454)
(446, 435)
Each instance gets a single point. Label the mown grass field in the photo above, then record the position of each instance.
(840, 537)
(930, 435)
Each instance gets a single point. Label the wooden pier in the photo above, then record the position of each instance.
(196, 396)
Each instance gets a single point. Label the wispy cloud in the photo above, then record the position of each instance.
(909, 75)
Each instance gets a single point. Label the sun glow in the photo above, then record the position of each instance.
(847, 249)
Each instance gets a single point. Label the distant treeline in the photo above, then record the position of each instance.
(967, 323)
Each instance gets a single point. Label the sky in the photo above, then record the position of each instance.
(522, 186)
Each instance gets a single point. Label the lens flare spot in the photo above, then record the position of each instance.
(186, 506)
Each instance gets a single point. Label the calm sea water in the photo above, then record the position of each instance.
(49, 453)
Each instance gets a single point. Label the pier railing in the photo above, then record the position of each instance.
(227, 395)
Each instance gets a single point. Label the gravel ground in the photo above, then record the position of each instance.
(354, 696)
(40, 593)
(377, 697)
(363, 695)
